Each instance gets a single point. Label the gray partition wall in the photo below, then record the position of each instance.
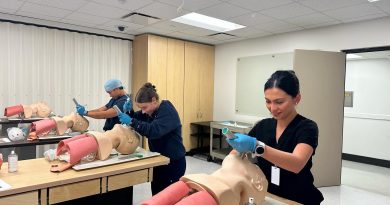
(322, 78)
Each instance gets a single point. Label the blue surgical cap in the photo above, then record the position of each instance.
(112, 84)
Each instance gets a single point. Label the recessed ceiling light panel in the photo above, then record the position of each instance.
(207, 22)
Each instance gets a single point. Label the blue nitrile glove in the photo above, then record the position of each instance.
(81, 110)
(127, 106)
(124, 118)
(243, 143)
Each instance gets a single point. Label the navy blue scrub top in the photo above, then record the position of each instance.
(110, 122)
(163, 130)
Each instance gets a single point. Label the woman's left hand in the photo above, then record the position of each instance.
(124, 118)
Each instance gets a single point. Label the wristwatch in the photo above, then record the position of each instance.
(259, 151)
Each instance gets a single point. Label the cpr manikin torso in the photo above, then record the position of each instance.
(236, 181)
(39, 109)
(121, 138)
(233, 184)
(72, 121)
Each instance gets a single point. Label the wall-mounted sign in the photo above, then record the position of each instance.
(348, 99)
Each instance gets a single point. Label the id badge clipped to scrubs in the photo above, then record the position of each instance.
(275, 175)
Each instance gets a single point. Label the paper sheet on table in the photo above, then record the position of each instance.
(4, 185)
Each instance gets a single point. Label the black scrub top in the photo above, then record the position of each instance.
(110, 122)
(298, 187)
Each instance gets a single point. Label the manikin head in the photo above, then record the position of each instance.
(114, 88)
(232, 184)
(282, 94)
(147, 99)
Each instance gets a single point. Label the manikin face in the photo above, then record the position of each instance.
(148, 107)
(279, 103)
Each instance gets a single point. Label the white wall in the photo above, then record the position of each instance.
(333, 38)
(367, 123)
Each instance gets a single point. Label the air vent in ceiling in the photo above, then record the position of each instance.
(222, 36)
(140, 18)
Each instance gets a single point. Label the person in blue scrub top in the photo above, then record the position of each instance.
(118, 96)
(160, 123)
(284, 144)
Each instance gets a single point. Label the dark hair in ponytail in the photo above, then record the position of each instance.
(146, 93)
(285, 80)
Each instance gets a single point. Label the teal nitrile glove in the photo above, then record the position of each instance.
(124, 118)
(81, 110)
(127, 106)
(243, 143)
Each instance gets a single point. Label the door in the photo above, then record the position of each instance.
(322, 81)
(191, 91)
(206, 82)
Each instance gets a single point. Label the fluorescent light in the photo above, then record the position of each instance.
(372, 1)
(207, 22)
(353, 56)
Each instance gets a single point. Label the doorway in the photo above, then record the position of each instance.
(366, 129)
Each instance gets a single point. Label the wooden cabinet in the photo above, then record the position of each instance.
(74, 191)
(128, 179)
(21, 199)
(183, 73)
(198, 87)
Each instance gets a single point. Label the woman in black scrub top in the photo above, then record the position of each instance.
(284, 143)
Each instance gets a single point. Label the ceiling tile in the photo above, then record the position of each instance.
(151, 30)
(171, 25)
(277, 26)
(363, 18)
(353, 12)
(191, 5)
(8, 11)
(251, 19)
(383, 5)
(287, 11)
(311, 19)
(13, 4)
(197, 39)
(91, 19)
(329, 23)
(42, 11)
(230, 40)
(78, 23)
(195, 31)
(128, 26)
(103, 10)
(248, 32)
(38, 16)
(222, 37)
(257, 5)
(125, 4)
(62, 4)
(161, 10)
(141, 20)
(321, 5)
(220, 11)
